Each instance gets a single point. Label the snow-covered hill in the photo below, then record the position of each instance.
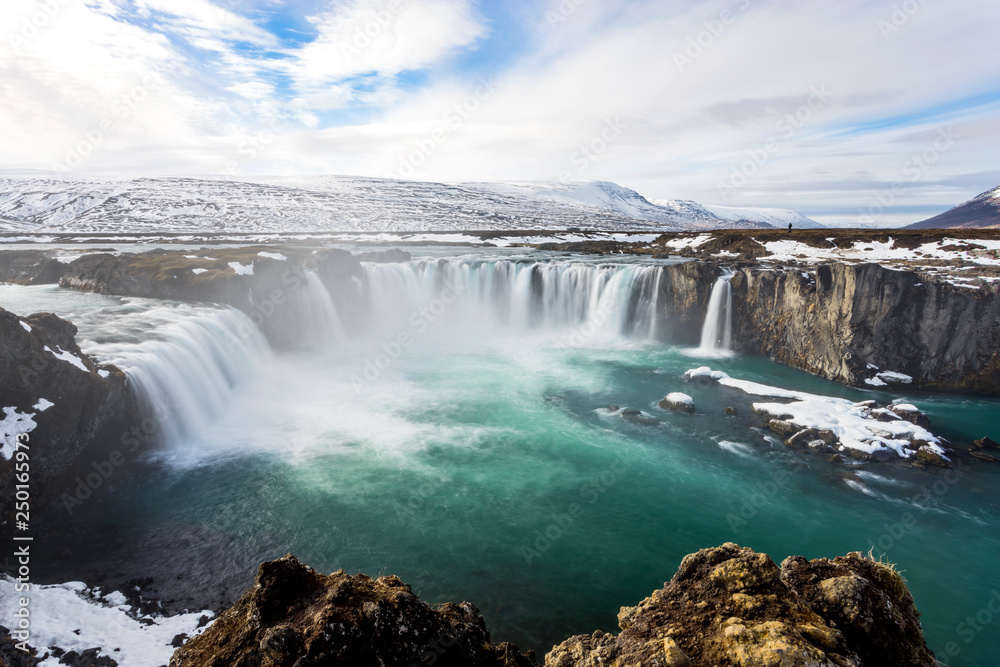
(338, 203)
(775, 217)
(982, 211)
(740, 217)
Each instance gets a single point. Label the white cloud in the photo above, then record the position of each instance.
(688, 128)
(210, 24)
(360, 37)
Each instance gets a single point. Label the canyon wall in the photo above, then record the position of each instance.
(850, 322)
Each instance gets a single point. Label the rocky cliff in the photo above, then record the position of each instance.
(731, 606)
(853, 322)
(684, 292)
(294, 616)
(267, 283)
(848, 304)
(73, 411)
(726, 606)
(30, 267)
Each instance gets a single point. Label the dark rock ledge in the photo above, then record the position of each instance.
(726, 606)
(91, 405)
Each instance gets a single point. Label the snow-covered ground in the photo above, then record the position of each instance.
(976, 251)
(949, 252)
(327, 203)
(73, 618)
(856, 425)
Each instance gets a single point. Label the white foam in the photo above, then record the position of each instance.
(737, 448)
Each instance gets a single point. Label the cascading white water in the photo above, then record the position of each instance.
(612, 300)
(321, 325)
(187, 371)
(717, 332)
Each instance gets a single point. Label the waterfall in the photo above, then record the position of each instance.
(321, 325)
(501, 294)
(717, 332)
(188, 367)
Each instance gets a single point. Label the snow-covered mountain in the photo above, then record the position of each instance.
(980, 212)
(741, 217)
(339, 203)
(775, 217)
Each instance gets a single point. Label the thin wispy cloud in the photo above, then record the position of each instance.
(713, 101)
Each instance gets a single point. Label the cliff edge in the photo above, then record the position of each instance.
(726, 606)
(294, 616)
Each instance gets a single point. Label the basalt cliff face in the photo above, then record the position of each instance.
(72, 410)
(726, 606)
(684, 292)
(851, 322)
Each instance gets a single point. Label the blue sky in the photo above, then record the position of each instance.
(859, 110)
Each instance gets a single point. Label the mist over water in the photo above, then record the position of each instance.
(440, 426)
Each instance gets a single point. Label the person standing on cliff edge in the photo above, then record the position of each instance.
(789, 228)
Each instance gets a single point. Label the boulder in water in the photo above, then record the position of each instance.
(677, 402)
(985, 443)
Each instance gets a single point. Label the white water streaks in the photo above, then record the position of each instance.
(587, 299)
(186, 369)
(717, 332)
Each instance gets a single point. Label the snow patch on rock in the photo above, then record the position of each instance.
(63, 355)
(12, 425)
(241, 269)
(64, 615)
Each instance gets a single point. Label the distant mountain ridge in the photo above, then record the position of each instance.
(344, 203)
(980, 212)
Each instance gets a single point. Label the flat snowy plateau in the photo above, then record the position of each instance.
(340, 203)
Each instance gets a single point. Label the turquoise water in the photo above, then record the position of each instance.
(485, 467)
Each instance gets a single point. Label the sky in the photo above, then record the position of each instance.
(858, 111)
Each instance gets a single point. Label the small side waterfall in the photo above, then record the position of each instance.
(717, 332)
(320, 322)
(185, 376)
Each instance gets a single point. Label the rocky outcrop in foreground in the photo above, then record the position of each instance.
(294, 616)
(732, 606)
(726, 606)
(65, 403)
